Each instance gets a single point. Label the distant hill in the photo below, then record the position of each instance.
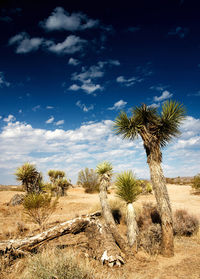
(181, 180)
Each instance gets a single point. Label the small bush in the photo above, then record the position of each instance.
(89, 180)
(184, 223)
(145, 186)
(39, 207)
(52, 264)
(196, 182)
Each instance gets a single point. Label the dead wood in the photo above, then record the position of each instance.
(101, 242)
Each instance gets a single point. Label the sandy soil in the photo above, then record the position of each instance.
(184, 265)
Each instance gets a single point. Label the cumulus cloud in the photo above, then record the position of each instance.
(70, 45)
(84, 107)
(49, 107)
(60, 122)
(3, 82)
(73, 61)
(89, 144)
(24, 43)
(88, 76)
(127, 82)
(165, 95)
(62, 20)
(118, 105)
(10, 118)
(50, 120)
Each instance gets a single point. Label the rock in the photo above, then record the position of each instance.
(16, 200)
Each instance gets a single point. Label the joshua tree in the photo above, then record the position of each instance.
(156, 130)
(30, 178)
(128, 189)
(105, 171)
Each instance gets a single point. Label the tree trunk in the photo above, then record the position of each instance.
(101, 242)
(164, 207)
(132, 228)
(107, 214)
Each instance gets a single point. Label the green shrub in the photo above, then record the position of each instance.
(196, 182)
(39, 207)
(184, 223)
(89, 180)
(52, 264)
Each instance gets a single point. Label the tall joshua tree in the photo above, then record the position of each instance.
(156, 130)
(128, 189)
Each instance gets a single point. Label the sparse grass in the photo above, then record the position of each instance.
(56, 263)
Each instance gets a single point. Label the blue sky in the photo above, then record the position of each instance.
(67, 70)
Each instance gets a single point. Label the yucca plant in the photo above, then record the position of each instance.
(156, 130)
(128, 189)
(30, 178)
(39, 207)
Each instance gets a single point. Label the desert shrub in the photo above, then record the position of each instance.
(149, 224)
(196, 182)
(52, 264)
(184, 223)
(39, 207)
(30, 178)
(146, 186)
(59, 183)
(89, 180)
(150, 239)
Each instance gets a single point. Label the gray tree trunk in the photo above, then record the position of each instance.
(164, 207)
(107, 214)
(101, 242)
(132, 228)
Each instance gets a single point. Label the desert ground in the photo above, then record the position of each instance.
(184, 265)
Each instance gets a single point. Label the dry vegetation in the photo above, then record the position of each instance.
(68, 257)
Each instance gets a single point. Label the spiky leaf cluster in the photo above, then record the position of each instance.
(127, 186)
(104, 168)
(147, 121)
(30, 178)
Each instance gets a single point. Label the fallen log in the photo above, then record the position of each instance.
(101, 242)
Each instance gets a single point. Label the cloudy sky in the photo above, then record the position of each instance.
(67, 68)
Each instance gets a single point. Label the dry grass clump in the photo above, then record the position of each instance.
(55, 263)
(184, 223)
(149, 237)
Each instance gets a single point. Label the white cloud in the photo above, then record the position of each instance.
(165, 95)
(89, 144)
(84, 107)
(62, 20)
(118, 105)
(154, 105)
(24, 43)
(60, 122)
(70, 45)
(0, 117)
(50, 120)
(88, 76)
(127, 82)
(73, 61)
(3, 82)
(10, 118)
(49, 107)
